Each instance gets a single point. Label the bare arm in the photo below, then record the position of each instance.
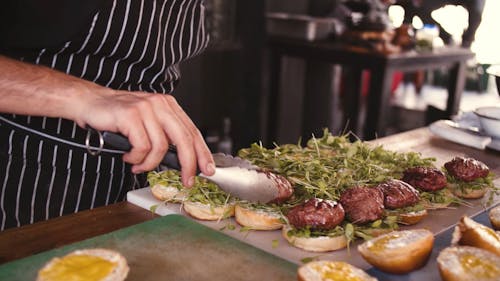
(150, 122)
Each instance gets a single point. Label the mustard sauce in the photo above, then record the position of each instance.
(490, 232)
(336, 271)
(381, 243)
(78, 268)
(480, 267)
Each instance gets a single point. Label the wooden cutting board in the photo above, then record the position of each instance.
(171, 248)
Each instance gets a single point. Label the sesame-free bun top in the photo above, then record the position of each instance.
(494, 216)
(398, 251)
(331, 271)
(471, 233)
(465, 263)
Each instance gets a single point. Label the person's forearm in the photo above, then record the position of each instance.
(150, 122)
(40, 91)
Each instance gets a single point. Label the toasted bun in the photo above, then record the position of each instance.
(469, 193)
(412, 218)
(470, 233)
(99, 264)
(465, 263)
(398, 251)
(206, 212)
(331, 270)
(168, 193)
(315, 244)
(494, 216)
(436, 206)
(374, 232)
(257, 219)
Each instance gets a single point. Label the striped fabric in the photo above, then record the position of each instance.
(132, 45)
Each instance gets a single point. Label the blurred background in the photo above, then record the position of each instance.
(225, 89)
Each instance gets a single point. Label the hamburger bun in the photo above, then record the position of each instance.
(86, 264)
(412, 218)
(470, 233)
(398, 251)
(168, 193)
(375, 232)
(445, 198)
(464, 263)
(494, 216)
(257, 219)
(315, 244)
(435, 206)
(208, 213)
(469, 193)
(331, 270)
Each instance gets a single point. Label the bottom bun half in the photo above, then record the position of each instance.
(469, 193)
(257, 219)
(412, 217)
(315, 244)
(168, 193)
(206, 212)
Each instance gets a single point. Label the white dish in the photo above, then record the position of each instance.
(489, 117)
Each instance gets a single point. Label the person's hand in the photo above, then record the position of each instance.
(150, 122)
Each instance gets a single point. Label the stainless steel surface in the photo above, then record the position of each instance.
(225, 160)
(242, 179)
(246, 184)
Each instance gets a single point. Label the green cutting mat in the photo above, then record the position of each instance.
(171, 248)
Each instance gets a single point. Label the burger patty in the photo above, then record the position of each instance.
(425, 178)
(398, 194)
(363, 204)
(466, 169)
(317, 214)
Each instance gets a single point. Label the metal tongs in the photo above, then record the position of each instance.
(234, 175)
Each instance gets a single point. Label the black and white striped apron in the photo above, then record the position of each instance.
(132, 45)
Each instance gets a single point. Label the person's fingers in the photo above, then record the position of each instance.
(159, 144)
(151, 122)
(179, 135)
(136, 133)
(203, 154)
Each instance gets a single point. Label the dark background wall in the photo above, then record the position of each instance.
(229, 80)
(226, 80)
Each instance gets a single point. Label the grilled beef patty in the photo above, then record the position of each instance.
(425, 178)
(398, 194)
(363, 204)
(466, 169)
(317, 214)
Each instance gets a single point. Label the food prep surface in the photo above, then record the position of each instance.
(438, 221)
(172, 246)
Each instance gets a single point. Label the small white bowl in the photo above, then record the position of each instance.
(489, 117)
